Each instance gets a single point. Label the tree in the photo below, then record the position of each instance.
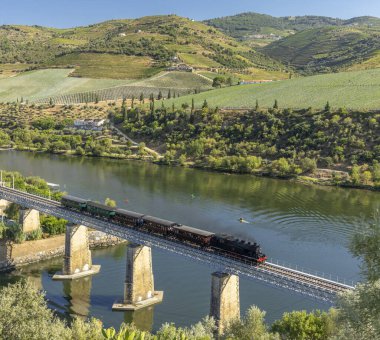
(169, 94)
(218, 81)
(355, 174)
(359, 312)
(257, 105)
(251, 327)
(365, 245)
(24, 315)
(159, 97)
(327, 107)
(192, 105)
(205, 104)
(110, 202)
(133, 102)
(275, 106)
(300, 325)
(142, 98)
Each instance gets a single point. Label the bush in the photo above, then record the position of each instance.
(52, 225)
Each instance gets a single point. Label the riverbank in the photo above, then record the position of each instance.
(14, 255)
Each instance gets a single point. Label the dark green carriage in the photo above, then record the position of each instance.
(74, 202)
(99, 209)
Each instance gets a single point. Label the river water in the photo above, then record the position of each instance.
(307, 226)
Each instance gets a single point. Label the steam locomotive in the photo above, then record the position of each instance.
(221, 243)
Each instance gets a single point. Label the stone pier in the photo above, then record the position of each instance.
(3, 205)
(29, 219)
(225, 301)
(139, 282)
(77, 259)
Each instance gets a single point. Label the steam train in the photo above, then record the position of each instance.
(221, 243)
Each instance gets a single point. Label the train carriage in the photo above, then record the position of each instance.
(157, 225)
(129, 218)
(193, 235)
(99, 209)
(73, 202)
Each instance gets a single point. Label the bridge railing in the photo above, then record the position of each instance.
(324, 275)
(49, 197)
(284, 264)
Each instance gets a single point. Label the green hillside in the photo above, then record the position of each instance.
(245, 25)
(45, 83)
(355, 90)
(327, 49)
(56, 83)
(156, 40)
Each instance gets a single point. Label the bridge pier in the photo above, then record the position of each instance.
(29, 219)
(3, 205)
(225, 301)
(77, 259)
(139, 282)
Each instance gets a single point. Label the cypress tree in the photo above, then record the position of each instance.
(275, 106)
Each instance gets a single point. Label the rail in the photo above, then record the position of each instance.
(270, 273)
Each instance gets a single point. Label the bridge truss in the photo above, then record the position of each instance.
(274, 275)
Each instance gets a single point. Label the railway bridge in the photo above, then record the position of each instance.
(139, 283)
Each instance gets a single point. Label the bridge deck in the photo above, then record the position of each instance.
(272, 274)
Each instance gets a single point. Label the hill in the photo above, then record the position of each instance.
(249, 26)
(354, 90)
(328, 49)
(151, 43)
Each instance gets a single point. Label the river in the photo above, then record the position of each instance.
(307, 226)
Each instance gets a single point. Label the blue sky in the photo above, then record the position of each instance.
(68, 13)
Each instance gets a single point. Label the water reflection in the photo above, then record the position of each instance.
(142, 318)
(77, 293)
(308, 226)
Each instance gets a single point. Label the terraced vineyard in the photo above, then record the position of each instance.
(113, 93)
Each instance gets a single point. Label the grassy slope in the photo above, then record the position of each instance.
(356, 90)
(54, 82)
(176, 79)
(45, 83)
(327, 48)
(97, 65)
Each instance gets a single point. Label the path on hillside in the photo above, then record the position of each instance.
(134, 143)
(204, 77)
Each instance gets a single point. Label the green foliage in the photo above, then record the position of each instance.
(251, 326)
(365, 245)
(300, 325)
(326, 49)
(12, 211)
(33, 235)
(14, 232)
(359, 312)
(110, 202)
(52, 225)
(24, 315)
(278, 142)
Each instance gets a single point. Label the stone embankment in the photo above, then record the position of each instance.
(14, 255)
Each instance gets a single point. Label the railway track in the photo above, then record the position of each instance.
(308, 284)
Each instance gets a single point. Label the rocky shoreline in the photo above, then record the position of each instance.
(13, 256)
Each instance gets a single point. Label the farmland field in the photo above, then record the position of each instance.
(102, 65)
(176, 79)
(198, 60)
(356, 90)
(44, 83)
(54, 83)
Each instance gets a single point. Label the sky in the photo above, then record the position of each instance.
(70, 13)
